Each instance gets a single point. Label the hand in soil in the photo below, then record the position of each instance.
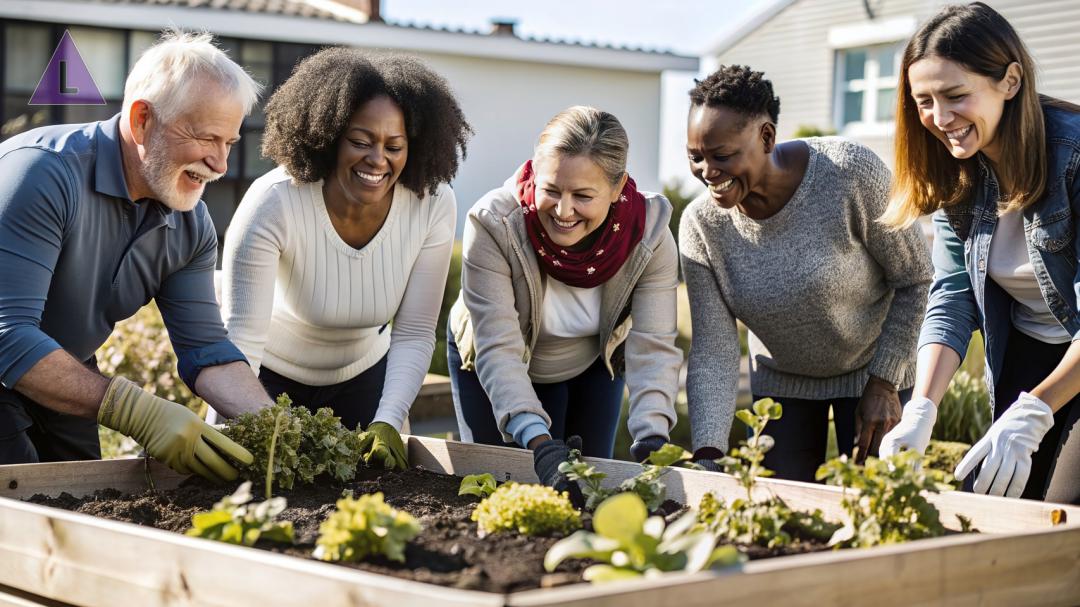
(546, 459)
(382, 447)
(170, 433)
(877, 412)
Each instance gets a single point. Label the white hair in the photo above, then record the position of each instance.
(179, 60)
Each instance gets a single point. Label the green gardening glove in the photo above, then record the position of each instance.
(169, 432)
(381, 445)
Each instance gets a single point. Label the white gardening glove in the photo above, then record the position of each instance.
(1005, 451)
(912, 433)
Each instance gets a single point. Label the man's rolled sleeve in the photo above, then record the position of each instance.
(189, 363)
(35, 210)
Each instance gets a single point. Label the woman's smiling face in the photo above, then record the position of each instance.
(573, 196)
(960, 108)
(726, 152)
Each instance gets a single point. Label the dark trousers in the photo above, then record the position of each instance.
(354, 401)
(1055, 467)
(31, 433)
(802, 434)
(587, 406)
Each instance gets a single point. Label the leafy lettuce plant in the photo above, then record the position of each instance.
(767, 522)
(364, 527)
(290, 443)
(234, 520)
(889, 505)
(629, 543)
(527, 509)
(480, 485)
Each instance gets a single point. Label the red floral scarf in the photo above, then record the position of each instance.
(620, 233)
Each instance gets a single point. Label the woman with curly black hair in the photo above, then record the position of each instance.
(353, 230)
(785, 240)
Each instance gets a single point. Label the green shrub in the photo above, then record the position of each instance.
(944, 456)
(964, 413)
(364, 527)
(234, 520)
(809, 130)
(889, 505)
(527, 509)
(139, 350)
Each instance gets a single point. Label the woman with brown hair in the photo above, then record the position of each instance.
(997, 164)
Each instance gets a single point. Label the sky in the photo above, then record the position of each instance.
(686, 27)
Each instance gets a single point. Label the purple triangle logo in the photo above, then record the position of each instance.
(67, 80)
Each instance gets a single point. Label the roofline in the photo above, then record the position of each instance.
(286, 28)
(768, 9)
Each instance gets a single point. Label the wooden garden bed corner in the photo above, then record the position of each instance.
(1021, 558)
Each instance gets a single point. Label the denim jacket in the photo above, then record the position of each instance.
(962, 299)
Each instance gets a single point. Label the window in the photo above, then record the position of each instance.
(27, 49)
(866, 86)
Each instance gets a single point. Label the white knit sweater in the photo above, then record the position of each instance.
(299, 299)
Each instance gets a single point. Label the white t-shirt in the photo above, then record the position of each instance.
(1010, 267)
(569, 339)
(299, 299)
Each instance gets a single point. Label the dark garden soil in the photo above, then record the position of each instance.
(447, 552)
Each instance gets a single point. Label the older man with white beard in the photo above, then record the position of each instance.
(95, 221)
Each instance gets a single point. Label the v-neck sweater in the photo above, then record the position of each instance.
(300, 300)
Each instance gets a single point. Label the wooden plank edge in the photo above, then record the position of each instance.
(202, 582)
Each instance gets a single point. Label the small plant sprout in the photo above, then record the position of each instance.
(646, 484)
(629, 543)
(480, 485)
(234, 520)
(526, 509)
(768, 521)
(889, 505)
(365, 527)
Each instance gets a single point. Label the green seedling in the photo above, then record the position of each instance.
(234, 520)
(526, 509)
(480, 485)
(364, 527)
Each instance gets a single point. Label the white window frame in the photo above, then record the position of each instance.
(869, 85)
(866, 35)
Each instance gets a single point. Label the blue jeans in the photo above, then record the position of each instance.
(354, 400)
(587, 406)
(802, 434)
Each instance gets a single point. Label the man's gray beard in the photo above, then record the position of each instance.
(160, 174)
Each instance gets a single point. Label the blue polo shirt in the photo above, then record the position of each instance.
(77, 255)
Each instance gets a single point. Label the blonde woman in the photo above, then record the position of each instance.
(568, 281)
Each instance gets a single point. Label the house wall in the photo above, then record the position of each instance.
(509, 102)
(793, 50)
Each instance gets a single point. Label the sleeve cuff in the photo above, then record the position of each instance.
(189, 363)
(892, 369)
(13, 373)
(526, 426)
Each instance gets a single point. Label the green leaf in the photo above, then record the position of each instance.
(580, 544)
(620, 517)
(746, 417)
(607, 573)
(668, 455)
(480, 485)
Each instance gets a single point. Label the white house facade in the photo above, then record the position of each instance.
(508, 86)
(834, 63)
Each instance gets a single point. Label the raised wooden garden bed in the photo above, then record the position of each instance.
(1027, 554)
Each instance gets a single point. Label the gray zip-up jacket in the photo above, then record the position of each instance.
(496, 318)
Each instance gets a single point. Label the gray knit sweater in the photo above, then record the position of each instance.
(829, 295)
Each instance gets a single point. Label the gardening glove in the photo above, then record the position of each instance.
(877, 412)
(170, 432)
(913, 431)
(642, 449)
(1005, 450)
(546, 459)
(381, 446)
(706, 458)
